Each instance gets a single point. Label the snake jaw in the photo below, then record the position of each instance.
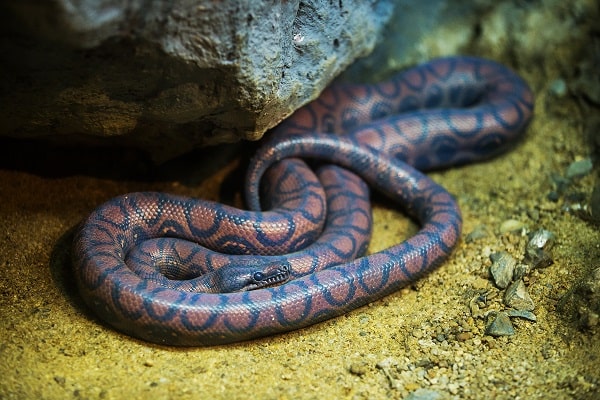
(279, 274)
(242, 278)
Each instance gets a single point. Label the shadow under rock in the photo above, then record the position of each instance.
(52, 160)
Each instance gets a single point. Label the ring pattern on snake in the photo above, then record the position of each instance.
(188, 272)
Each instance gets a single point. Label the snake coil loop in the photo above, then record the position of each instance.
(446, 112)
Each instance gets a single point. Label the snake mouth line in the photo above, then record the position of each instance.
(281, 275)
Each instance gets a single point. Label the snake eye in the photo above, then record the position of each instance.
(258, 276)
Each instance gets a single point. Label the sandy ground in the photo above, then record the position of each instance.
(421, 341)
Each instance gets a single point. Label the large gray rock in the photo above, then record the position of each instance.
(168, 76)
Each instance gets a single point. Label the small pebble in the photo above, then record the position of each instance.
(575, 197)
(522, 314)
(474, 307)
(502, 268)
(541, 239)
(424, 394)
(560, 182)
(61, 380)
(553, 196)
(580, 168)
(358, 368)
(479, 232)
(453, 388)
(424, 363)
(499, 325)
(541, 259)
(558, 87)
(417, 333)
(511, 226)
(388, 362)
(534, 214)
(517, 297)
(521, 271)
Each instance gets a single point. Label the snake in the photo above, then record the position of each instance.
(183, 271)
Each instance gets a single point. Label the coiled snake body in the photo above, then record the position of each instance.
(295, 265)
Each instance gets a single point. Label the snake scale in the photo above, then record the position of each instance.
(181, 271)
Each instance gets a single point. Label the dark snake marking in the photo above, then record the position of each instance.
(137, 269)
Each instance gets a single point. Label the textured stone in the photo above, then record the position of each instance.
(517, 297)
(49, 90)
(498, 324)
(502, 268)
(171, 75)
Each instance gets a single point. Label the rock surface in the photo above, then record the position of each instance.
(99, 74)
(169, 76)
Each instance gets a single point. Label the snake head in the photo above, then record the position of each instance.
(240, 278)
(270, 275)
